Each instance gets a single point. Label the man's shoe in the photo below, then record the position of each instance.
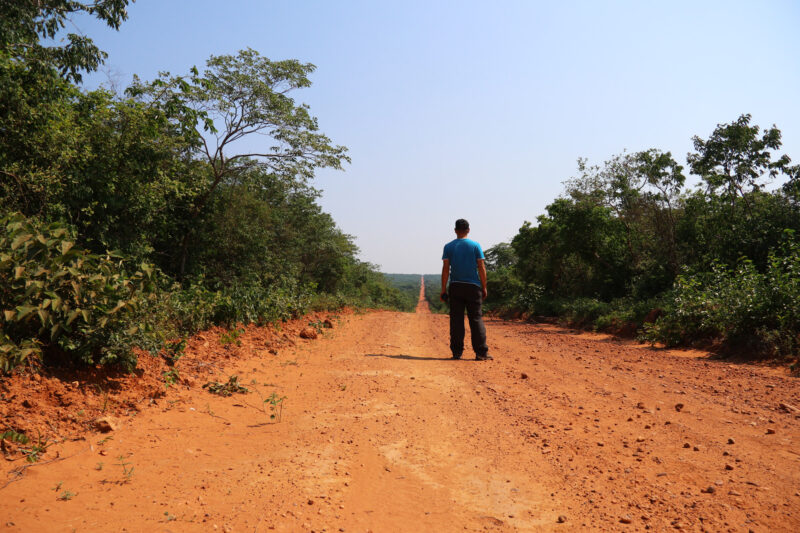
(486, 357)
(456, 356)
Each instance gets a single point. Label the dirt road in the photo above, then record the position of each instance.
(380, 431)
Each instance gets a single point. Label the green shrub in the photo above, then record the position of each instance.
(739, 306)
(54, 295)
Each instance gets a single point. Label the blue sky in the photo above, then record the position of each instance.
(481, 109)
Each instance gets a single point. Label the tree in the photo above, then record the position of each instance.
(736, 160)
(237, 97)
(24, 23)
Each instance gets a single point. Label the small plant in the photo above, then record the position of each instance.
(33, 453)
(275, 406)
(103, 441)
(11, 436)
(58, 486)
(231, 337)
(171, 377)
(66, 495)
(226, 389)
(292, 362)
(127, 472)
(174, 350)
(342, 387)
(170, 517)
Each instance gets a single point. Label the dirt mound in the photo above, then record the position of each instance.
(54, 404)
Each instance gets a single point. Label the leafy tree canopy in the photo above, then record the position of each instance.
(24, 24)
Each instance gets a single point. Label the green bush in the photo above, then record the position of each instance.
(55, 296)
(740, 306)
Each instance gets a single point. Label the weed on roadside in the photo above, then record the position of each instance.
(171, 377)
(66, 495)
(275, 406)
(226, 389)
(292, 362)
(231, 337)
(11, 436)
(33, 453)
(126, 472)
(173, 351)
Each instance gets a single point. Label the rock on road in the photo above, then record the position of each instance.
(381, 431)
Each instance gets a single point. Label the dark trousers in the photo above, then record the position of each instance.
(467, 296)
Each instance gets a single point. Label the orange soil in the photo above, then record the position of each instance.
(381, 431)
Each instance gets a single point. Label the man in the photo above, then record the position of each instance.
(465, 267)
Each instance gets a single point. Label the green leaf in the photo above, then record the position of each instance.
(20, 240)
(9, 315)
(24, 310)
(66, 246)
(72, 316)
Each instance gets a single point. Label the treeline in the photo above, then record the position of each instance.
(127, 219)
(630, 247)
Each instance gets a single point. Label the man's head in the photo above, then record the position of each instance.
(462, 228)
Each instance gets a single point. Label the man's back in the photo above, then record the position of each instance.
(463, 255)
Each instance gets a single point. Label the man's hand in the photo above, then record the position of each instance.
(443, 295)
(485, 292)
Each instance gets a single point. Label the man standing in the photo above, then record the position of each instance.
(464, 266)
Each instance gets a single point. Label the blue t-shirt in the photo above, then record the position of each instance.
(463, 255)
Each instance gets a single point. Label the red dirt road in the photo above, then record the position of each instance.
(381, 431)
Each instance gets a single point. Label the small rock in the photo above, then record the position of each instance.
(678, 407)
(789, 408)
(106, 424)
(625, 519)
(687, 445)
(728, 467)
(310, 501)
(189, 381)
(308, 333)
(28, 404)
(601, 443)
(328, 323)
(696, 448)
(523, 375)
(734, 493)
(709, 490)
(561, 519)
(75, 384)
(731, 441)
(770, 431)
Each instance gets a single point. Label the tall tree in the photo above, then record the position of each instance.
(25, 23)
(735, 160)
(239, 97)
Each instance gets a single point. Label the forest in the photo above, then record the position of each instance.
(136, 217)
(629, 247)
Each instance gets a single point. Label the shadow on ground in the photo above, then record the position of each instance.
(409, 357)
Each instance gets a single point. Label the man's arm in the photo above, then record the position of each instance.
(445, 276)
(482, 274)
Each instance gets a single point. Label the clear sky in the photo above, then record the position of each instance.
(480, 109)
